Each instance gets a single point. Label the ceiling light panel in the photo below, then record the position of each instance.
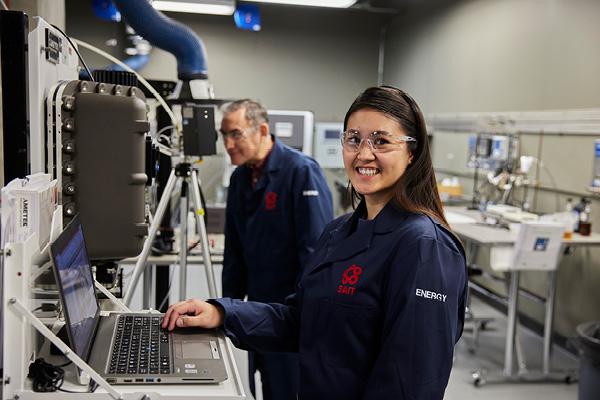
(313, 3)
(218, 7)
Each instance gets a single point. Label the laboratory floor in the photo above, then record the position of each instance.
(489, 357)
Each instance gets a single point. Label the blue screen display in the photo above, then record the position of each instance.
(80, 301)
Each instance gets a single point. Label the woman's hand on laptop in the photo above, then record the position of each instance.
(193, 312)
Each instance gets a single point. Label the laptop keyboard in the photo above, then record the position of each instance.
(141, 346)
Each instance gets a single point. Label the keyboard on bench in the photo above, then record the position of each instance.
(141, 346)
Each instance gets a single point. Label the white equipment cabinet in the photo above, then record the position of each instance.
(328, 148)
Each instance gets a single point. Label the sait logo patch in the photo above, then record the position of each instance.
(349, 278)
(270, 200)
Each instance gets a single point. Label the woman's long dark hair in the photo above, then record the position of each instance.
(416, 190)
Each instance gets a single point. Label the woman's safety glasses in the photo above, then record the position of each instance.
(379, 141)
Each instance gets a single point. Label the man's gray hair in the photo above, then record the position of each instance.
(256, 114)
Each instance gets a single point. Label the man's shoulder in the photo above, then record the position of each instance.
(295, 158)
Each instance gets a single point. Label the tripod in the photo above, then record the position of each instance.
(189, 180)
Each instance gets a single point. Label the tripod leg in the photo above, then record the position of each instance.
(147, 287)
(199, 213)
(140, 265)
(183, 239)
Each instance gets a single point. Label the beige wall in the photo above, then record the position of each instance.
(52, 11)
(498, 55)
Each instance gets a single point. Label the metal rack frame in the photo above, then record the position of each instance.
(22, 264)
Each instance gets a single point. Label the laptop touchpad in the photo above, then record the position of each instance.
(192, 349)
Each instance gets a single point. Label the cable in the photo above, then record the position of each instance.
(76, 51)
(165, 149)
(165, 138)
(160, 135)
(127, 68)
(541, 164)
(91, 390)
(141, 79)
(46, 307)
(49, 378)
(162, 147)
(46, 377)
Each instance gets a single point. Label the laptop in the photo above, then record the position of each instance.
(127, 348)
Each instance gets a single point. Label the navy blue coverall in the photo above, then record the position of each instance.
(376, 314)
(270, 234)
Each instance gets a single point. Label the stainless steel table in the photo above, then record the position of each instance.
(476, 234)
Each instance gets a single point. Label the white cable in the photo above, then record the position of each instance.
(128, 68)
(164, 149)
(165, 138)
(159, 133)
(3, 5)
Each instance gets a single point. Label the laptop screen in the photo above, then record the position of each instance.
(76, 287)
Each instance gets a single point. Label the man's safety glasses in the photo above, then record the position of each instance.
(379, 141)
(235, 136)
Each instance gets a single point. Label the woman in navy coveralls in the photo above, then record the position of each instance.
(381, 305)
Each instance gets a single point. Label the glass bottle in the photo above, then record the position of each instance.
(585, 226)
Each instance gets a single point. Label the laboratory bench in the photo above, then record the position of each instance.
(475, 234)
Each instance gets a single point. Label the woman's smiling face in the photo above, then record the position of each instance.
(373, 174)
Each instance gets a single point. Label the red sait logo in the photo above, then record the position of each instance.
(349, 277)
(270, 200)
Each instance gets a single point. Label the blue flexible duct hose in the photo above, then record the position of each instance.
(168, 35)
(135, 63)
